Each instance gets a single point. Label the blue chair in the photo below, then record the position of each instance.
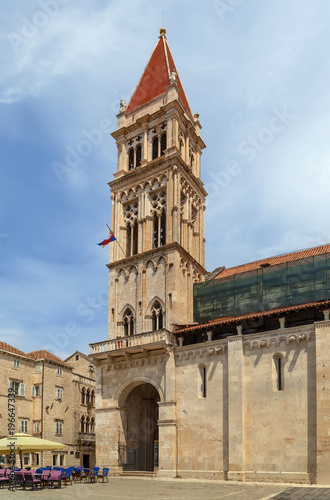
(93, 474)
(66, 476)
(104, 474)
(85, 474)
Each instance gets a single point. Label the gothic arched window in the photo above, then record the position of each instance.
(155, 148)
(93, 398)
(128, 321)
(138, 155)
(157, 316)
(87, 425)
(83, 396)
(162, 144)
(92, 424)
(82, 424)
(131, 159)
(88, 393)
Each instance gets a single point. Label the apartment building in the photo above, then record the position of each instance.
(54, 400)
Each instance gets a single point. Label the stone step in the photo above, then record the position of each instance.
(138, 473)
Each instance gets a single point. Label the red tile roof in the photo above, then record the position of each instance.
(155, 78)
(9, 348)
(43, 354)
(280, 259)
(242, 317)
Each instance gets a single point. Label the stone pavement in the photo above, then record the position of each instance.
(120, 488)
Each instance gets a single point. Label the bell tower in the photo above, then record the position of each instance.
(158, 204)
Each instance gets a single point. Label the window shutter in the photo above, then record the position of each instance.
(33, 391)
(22, 389)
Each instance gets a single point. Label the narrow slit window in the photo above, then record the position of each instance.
(279, 375)
(204, 381)
(278, 380)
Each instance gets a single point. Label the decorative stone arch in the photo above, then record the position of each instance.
(162, 258)
(127, 306)
(138, 405)
(127, 325)
(121, 271)
(151, 304)
(155, 317)
(124, 390)
(152, 262)
(133, 268)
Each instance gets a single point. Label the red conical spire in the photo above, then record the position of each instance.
(156, 77)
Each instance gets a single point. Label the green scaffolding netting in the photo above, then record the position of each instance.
(282, 285)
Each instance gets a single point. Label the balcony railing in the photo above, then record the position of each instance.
(87, 437)
(155, 340)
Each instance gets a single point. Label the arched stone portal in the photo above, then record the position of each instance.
(139, 415)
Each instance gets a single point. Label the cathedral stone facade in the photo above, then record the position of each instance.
(241, 396)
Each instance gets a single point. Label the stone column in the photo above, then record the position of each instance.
(145, 144)
(167, 424)
(235, 408)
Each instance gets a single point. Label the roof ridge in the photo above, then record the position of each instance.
(255, 264)
(166, 57)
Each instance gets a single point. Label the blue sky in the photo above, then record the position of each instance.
(258, 74)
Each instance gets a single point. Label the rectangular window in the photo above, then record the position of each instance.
(16, 363)
(54, 460)
(59, 372)
(36, 390)
(38, 368)
(37, 459)
(23, 425)
(19, 387)
(59, 393)
(14, 385)
(58, 428)
(62, 460)
(36, 427)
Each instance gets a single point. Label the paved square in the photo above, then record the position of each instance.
(120, 488)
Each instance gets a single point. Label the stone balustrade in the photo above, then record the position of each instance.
(159, 336)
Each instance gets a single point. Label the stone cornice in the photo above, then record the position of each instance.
(211, 348)
(287, 335)
(322, 324)
(154, 168)
(157, 253)
(143, 361)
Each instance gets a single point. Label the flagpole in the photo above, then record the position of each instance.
(110, 231)
(120, 247)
